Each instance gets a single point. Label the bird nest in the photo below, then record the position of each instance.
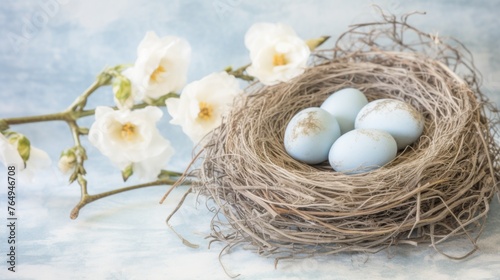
(439, 187)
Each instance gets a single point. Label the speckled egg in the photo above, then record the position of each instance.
(362, 150)
(345, 105)
(396, 117)
(310, 134)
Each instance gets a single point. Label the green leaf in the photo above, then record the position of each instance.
(316, 42)
(73, 177)
(127, 172)
(23, 147)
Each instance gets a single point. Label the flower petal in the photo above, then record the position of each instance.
(127, 137)
(9, 154)
(161, 65)
(215, 93)
(151, 168)
(276, 52)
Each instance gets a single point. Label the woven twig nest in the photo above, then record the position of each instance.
(437, 188)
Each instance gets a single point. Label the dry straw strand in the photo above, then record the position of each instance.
(436, 189)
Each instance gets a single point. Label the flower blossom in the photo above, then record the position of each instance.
(9, 153)
(18, 151)
(276, 52)
(161, 66)
(67, 161)
(202, 104)
(131, 138)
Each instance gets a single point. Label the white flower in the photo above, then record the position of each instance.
(131, 137)
(9, 153)
(276, 52)
(161, 66)
(203, 103)
(36, 158)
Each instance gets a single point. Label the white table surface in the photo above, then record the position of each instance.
(125, 236)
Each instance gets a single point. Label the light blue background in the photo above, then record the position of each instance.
(125, 237)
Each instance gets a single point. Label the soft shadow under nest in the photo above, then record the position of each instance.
(437, 188)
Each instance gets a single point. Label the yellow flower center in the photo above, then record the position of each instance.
(156, 73)
(206, 111)
(279, 59)
(128, 131)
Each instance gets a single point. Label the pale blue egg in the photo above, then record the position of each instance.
(310, 134)
(396, 117)
(362, 150)
(345, 105)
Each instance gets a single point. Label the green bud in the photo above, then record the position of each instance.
(122, 89)
(127, 172)
(106, 76)
(22, 144)
(67, 160)
(24, 148)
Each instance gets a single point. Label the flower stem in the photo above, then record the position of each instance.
(71, 114)
(81, 100)
(62, 116)
(240, 73)
(66, 116)
(86, 198)
(75, 132)
(76, 111)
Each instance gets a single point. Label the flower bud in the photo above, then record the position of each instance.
(127, 172)
(122, 90)
(21, 143)
(67, 161)
(24, 148)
